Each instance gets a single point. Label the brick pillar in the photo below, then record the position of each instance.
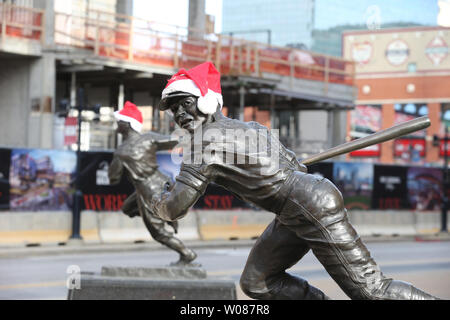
(434, 113)
(388, 120)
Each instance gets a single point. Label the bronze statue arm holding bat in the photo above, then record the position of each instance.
(309, 210)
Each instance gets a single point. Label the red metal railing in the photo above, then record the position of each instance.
(22, 22)
(137, 40)
(141, 41)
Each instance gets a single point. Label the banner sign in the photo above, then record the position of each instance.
(5, 159)
(41, 179)
(38, 180)
(217, 198)
(390, 187)
(98, 194)
(364, 121)
(355, 181)
(323, 169)
(425, 188)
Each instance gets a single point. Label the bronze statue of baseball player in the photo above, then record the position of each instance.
(136, 157)
(309, 210)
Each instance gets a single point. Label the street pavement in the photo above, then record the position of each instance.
(42, 272)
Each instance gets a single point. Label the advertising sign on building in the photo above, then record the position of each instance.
(393, 50)
(442, 148)
(362, 52)
(365, 120)
(397, 52)
(408, 148)
(437, 50)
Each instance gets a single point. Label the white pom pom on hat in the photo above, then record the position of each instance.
(131, 114)
(202, 81)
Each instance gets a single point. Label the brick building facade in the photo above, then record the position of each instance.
(400, 74)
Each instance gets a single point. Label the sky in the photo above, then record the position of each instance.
(330, 13)
(175, 12)
(444, 13)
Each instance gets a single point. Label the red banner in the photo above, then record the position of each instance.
(442, 147)
(404, 147)
(372, 151)
(70, 131)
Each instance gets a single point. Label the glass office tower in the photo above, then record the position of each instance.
(281, 22)
(317, 25)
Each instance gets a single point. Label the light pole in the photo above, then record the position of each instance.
(445, 184)
(76, 207)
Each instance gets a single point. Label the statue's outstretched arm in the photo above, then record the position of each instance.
(130, 206)
(174, 205)
(166, 144)
(115, 171)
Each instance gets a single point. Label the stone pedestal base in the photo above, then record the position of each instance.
(175, 273)
(171, 283)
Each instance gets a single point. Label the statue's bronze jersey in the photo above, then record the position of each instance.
(137, 155)
(254, 172)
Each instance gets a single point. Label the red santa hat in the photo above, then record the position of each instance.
(131, 114)
(202, 81)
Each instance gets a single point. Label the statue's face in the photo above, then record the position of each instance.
(186, 113)
(122, 127)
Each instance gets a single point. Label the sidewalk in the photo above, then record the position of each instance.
(77, 247)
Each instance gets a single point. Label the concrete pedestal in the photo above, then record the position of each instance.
(162, 273)
(164, 283)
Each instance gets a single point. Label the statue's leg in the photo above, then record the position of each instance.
(264, 276)
(315, 212)
(155, 226)
(130, 206)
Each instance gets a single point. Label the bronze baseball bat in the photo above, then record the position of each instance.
(375, 138)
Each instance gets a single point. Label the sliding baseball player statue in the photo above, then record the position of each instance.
(246, 159)
(136, 157)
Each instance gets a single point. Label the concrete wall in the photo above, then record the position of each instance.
(24, 83)
(15, 104)
(313, 132)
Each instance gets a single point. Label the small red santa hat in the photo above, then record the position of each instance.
(202, 81)
(131, 114)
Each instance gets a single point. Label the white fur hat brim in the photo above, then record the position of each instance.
(207, 104)
(135, 125)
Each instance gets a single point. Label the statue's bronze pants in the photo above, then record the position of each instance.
(314, 218)
(156, 226)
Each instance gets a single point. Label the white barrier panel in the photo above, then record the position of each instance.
(42, 227)
(247, 224)
(232, 224)
(27, 228)
(117, 227)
